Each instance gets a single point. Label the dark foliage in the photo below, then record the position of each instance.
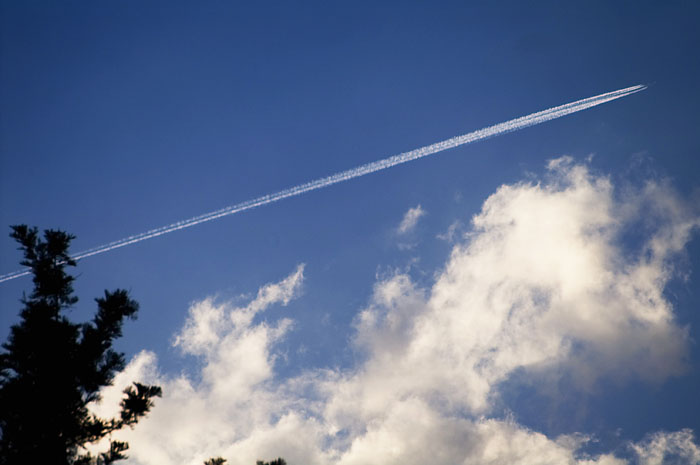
(51, 368)
(221, 461)
(215, 461)
(278, 461)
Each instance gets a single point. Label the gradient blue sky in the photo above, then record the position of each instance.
(117, 117)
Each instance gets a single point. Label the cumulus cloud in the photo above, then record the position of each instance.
(546, 283)
(227, 402)
(410, 220)
(209, 322)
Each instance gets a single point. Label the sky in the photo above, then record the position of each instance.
(527, 299)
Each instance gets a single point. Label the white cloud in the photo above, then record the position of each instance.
(410, 219)
(545, 284)
(208, 322)
(452, 233)
(668, 448)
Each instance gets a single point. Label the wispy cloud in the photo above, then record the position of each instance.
(410, 220)
(668, 447)
(452, 232)
(542, 286)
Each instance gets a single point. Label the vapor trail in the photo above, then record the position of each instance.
(481, 134)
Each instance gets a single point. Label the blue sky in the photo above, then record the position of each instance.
(117, 118)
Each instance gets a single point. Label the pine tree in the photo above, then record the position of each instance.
(52, 368)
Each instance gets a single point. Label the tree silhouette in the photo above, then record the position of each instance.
(215, 461)
(221, 461)
(52, 368)
(278, 461)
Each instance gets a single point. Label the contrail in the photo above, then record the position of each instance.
(481, 134)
